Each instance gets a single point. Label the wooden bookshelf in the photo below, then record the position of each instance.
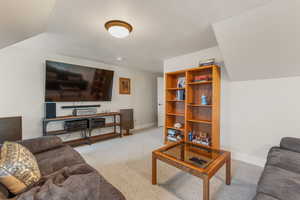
(190, 112)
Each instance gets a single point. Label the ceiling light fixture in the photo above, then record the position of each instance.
(118, 29)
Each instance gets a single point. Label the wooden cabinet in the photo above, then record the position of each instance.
(195, 105)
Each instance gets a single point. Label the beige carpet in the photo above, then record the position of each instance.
(126, 163)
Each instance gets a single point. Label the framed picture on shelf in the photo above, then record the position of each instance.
(124, 86)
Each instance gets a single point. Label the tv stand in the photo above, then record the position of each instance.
(87, 137)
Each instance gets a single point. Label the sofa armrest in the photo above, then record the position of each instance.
(41, 144)
(291, 144)
(4, 193)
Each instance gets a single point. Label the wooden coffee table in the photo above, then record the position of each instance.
(198, 160)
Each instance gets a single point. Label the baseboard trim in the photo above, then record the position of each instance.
(143, 126)
(249, 159)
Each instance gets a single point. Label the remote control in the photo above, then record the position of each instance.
(197, 160)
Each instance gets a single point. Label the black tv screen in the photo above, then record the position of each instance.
(68, 82)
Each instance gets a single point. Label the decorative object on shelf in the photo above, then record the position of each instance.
(180, 95)
(171, 131)
(177, 125)
(204, 100)
(181, 82)
(207, 62)
(191, 136)
(174, 135)
(202, 138)
(124, 86)
(202, 78)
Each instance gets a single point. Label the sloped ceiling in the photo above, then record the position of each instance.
(20, 20)
(162, 28)
(262, 43)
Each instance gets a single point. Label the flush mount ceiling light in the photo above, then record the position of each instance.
(118, 29)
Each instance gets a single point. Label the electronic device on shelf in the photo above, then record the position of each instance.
(81, 106)
(127, 120)
(98, 122)
(50, 110)
(76, 125)
(84, 111)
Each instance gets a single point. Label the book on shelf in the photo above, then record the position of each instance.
(180, 95)
(181, 82)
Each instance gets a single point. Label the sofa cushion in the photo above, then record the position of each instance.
(284, 159)
(108, 191)
(289, 143)
(18, 167)
(76, 182)
(41, 144)
(56, 159)
(261, 196)
(279, 183)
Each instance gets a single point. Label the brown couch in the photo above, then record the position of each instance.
(65, 175)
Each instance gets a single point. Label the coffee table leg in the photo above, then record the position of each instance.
(205, 188)
(154, 170)
(228, 170)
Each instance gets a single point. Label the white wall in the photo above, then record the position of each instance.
(261, 113)
(22, 78)
(255, 115)
(192, 59)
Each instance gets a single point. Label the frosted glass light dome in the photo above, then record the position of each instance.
(118, 29)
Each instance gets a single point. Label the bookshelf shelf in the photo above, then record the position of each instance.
(199, 105)
(195, 117)
(200, 83)
(175, 89)
(176, 114)
(179, 129)
(199, 121)
(176, 101)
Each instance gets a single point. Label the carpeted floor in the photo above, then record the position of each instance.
(126, 163)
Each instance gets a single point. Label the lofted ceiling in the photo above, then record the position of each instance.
(162, 29)
(262, 43)
(20, 20)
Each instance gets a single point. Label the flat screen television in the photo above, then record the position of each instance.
(68, 82)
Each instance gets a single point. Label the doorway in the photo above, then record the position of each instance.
(160, 101)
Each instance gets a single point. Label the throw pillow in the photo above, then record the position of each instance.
(18, 167)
